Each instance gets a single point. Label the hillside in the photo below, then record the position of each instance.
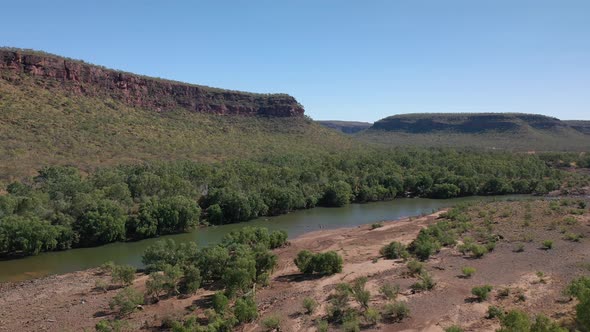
(511, 131)
(56, 111)
(579, 125)
(347, 127)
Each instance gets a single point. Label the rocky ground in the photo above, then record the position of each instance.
(71, 302)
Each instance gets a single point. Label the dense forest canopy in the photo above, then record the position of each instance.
(60, 208)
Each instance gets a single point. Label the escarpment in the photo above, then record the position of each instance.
(54, 72)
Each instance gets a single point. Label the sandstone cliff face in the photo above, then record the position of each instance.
(139, 91)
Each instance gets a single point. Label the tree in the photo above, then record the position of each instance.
(123, 274)
(337, 194)
(168, 252)
(245, 309)
(126, 301)
(104, 223)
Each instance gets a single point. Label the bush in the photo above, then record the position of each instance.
(426, 282)
(580, 288)
(495, 312)
(468, 271)
(454, 328)
(376, 225)
(245, 310)
(372, 316)
(126, 301)
(415, 267)
(519, 248)
(481, 292)
(394, 250)
(389, 291)
(350, 322)
(515, 321)
(547, 244)
(322, 326)
(123, 274)
(478, 251)
(272, 322)
(309, 305)
(220, 302)
(396, 311)
(360, 294)
(323, 263)
(116, 325)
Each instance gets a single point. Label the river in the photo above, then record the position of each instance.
(294, 223)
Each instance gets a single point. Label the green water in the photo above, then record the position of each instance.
(295, 223)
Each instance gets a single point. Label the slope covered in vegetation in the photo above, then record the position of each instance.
(45, 126)
(509, 131)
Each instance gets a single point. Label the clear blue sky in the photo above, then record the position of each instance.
(349, 60)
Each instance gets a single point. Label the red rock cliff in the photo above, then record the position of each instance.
(139, 91)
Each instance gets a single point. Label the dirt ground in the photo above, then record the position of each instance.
(70, 302)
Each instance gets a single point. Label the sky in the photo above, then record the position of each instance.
(343, 60)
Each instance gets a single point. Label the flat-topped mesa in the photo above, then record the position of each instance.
(139, 91)
(466, 122)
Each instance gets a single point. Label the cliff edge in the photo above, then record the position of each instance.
(85, 79)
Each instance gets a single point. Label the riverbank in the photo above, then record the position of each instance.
(71, 301)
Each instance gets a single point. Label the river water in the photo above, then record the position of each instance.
(294, 223)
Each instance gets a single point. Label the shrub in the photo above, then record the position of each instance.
(339, 302)
(376, 225)
(394, 250)
(415, 267)
(481, 292)
(515, 321)
(245, 310)
(573, 237)
(580, 288)
(107, 267)
(126, 301)
(272, 322)
(519, 248)
(350, 322)
(101, 285)
(372, 316)
(309, 305)
(390, 291)
(360, 294)
(116, 325)
(454, 328)
(323, 263)
(495, 312)
(123, 274)
(220, 302)
(322, 326)
(426, 282)
(547, 244)
(504, 292)
(396, 311)
(478, 251)
(542, 323)
(468, 271)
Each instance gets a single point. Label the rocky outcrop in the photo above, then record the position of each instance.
(139, 91)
